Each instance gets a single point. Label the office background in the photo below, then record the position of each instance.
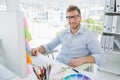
(46, 18)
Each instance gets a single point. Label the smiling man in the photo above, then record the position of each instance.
(79, 45)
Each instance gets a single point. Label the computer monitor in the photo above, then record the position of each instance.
(12, 42)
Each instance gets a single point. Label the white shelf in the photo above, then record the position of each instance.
(115, 53)
(111, 33)
(111, 66)
(112, 13)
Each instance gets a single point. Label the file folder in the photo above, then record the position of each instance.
(107, 5)
(111, 43)
(109, 23)
(106, 43)
(114, 24)
(112, 6)
(103, 42)
(105, 23)
(117, 5)
(117, 43)
(118, 25)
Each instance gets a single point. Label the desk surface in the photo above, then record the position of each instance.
(42, 60)
(99, 76)
(56, 67)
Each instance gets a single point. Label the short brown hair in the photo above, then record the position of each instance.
(73, 8)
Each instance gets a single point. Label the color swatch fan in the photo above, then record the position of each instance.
(76, 77)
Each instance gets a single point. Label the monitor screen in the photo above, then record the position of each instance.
(12, 42)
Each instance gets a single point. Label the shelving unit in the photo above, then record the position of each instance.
(110, 40)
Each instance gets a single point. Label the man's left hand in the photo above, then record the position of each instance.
(77, 62)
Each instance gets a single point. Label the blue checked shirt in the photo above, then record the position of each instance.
(83, 43)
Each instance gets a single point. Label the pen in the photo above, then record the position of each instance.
(44, 72)
(75, 70)
(36, 74)
(50, 68)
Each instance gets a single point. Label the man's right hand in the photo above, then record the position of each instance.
(34, 51)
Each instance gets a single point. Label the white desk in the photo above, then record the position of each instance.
(42, 60)
(56, 66)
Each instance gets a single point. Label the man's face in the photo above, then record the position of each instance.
(73, 19)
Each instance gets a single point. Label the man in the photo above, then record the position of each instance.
(79, 45)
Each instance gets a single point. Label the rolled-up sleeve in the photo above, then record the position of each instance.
(95, 48)
(52, 44)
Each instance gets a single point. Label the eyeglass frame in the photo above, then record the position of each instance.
(74, 17)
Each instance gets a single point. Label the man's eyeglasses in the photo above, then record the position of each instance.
(74, 17)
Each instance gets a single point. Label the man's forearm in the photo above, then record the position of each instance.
(89, 59)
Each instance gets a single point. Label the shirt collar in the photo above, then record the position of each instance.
(81, 30)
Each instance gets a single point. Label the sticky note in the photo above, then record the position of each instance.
(27, 34)
(29, 60)
(27, 43)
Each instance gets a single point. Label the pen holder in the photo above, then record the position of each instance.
(42, 73)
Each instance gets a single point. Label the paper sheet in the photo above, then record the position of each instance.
(5, 74)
